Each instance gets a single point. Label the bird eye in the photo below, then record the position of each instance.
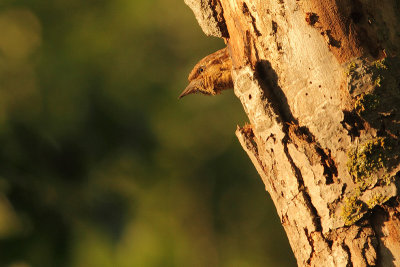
(200, 70)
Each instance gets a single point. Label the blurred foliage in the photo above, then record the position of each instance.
(100, 164)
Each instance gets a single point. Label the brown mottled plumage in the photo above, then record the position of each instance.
(211, 75)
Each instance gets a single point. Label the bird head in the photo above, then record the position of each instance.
(210, 75)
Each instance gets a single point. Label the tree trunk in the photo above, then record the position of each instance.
(320, 83)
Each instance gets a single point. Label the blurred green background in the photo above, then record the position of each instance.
(100, 164)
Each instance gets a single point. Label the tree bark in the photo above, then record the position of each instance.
(320, 83)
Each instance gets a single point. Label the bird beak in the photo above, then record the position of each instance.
(192, 88)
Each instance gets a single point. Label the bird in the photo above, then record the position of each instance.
(210, 75)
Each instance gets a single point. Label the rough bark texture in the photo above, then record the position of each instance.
(320, 83)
